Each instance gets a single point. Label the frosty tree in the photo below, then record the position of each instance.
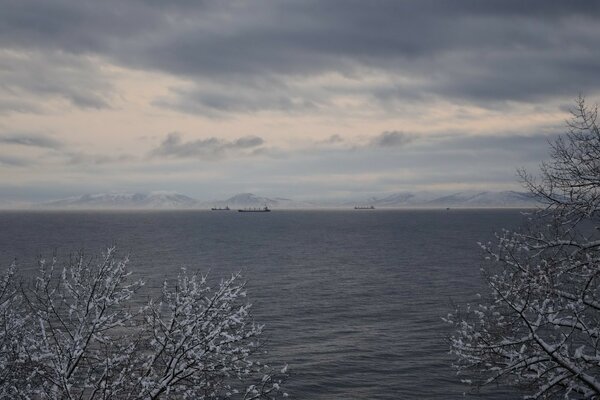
(540, 326)
(80, 332)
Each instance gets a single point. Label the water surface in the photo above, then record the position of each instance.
(352, 300)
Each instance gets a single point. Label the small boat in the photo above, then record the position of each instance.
(220, 208)
(364, 208)
(264, 209)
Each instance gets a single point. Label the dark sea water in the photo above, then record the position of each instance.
(352, 300)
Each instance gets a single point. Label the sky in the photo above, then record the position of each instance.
(302, 99)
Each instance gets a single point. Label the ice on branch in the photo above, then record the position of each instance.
(539, 327)
(78, 332)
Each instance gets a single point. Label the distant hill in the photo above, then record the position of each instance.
(119, 200)
(172, 200)
(403, 199)
(459, 199)
(486, 199)
(244, 200)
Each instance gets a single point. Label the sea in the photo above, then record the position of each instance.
(351, 300)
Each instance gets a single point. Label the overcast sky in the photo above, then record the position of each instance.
(304, 99)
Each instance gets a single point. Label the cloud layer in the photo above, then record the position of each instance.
(28, 139)
(470, 51)
(337, 96)
(209, 148)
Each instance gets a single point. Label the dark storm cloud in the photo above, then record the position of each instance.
(467, 50)
(211, 148)
(31, 140)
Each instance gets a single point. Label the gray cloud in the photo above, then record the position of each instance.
(8, 106)
(246, 142)
(449, 159)
(480, 161)
(47, 74)
(392, 139)
(32, 140)
(211, 148)
(333, 139)
(87, 159)
(464, 50)
(10, 161)
(498, 143)
(443, 159)
(240, 98)
(308, 57)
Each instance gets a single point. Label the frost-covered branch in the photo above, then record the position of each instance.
(74, 333)
(539, 327)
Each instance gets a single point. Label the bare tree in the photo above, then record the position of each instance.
(539, 328)
(76, 333)
(12, 335)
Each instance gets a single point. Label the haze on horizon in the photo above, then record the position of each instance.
(302, 99)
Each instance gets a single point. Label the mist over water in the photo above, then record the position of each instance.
(352, 300)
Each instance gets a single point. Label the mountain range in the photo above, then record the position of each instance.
(120, 200)
(243, 200)
(473, 199)
(173, 200)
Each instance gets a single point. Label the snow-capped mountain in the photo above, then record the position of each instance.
(486, 199)
(172, 200)
(117, 200)
(244, 200)
(403, 199)
(460, 199)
